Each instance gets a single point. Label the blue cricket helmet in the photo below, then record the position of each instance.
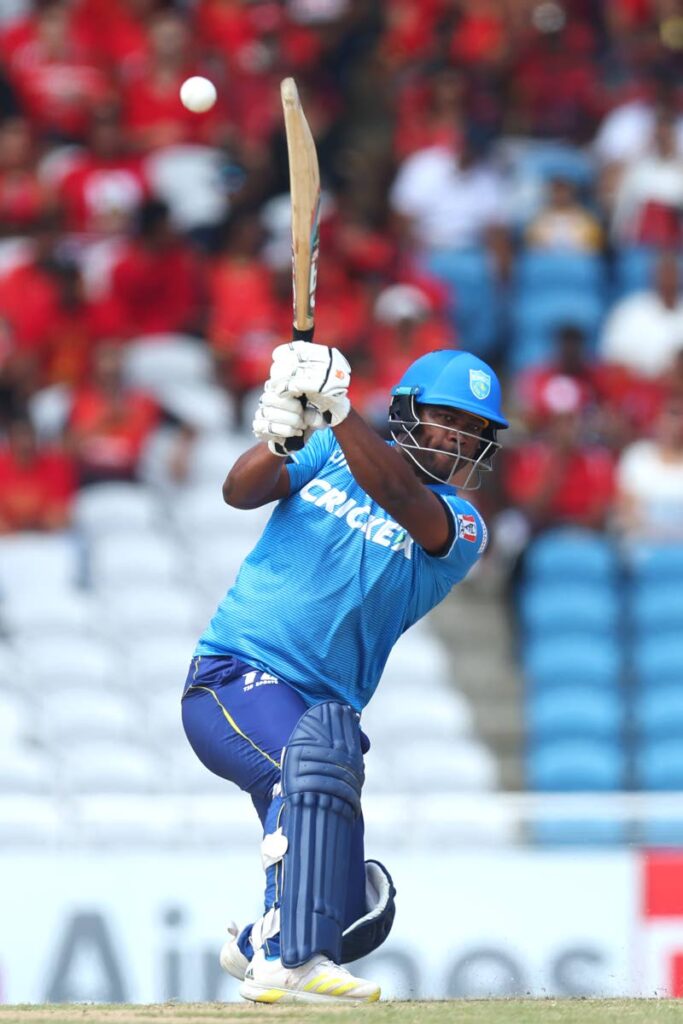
(457, 379)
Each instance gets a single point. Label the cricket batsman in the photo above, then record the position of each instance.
(366, 536)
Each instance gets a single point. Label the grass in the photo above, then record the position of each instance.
(475, 1011)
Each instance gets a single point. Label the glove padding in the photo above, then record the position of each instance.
(280, 416)
(319, 373)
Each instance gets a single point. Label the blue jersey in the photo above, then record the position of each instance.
(333, 581)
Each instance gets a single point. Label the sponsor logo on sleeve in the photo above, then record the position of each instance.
(467, 528)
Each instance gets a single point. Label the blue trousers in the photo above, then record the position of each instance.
(237, 720)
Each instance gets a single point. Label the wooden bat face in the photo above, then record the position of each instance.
(304, 180)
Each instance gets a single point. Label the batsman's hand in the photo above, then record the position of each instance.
(319, 373)
(280, 416)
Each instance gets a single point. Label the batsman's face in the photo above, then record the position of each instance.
(453, 432)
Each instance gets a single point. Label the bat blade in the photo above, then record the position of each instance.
(304, 185)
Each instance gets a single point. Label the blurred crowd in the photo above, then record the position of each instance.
(499, 128)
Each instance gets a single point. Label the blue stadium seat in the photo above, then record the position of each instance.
(470, 275)
(575, 658)
(633, 269)
(556, 607)
(658, 660)
(559, 270)
(580, 710)
(557, 159)
(657, 607)
(658, 712)
(575, 765)
(658, 764)
(537, 317)
(657, 563)
(661, 833)
(570, 554)
(588, 832)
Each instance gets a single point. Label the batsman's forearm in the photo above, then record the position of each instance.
(379, 469)
(257, 477)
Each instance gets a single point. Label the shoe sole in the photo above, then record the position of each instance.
(261, 994)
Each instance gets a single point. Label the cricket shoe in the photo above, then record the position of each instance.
(319, 980)
(232, 959)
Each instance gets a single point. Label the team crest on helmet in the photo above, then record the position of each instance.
(480, 384)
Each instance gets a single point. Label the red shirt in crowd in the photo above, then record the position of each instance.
(584, 478)
(108, 433)
(36, 494)
(152, 292)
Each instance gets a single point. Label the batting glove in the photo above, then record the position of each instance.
(319, 373)
(280, 416)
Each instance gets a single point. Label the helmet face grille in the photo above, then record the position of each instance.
(404, 419)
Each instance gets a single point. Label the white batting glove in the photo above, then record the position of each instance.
(281, 416)
(319, 373)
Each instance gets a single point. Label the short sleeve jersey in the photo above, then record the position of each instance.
(334, 581)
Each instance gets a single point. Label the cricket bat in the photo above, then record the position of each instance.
(304, 187)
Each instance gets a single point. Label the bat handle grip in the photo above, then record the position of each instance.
(295, 444)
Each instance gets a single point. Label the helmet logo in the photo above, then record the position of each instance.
(480, 384)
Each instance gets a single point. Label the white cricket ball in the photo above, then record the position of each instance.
(198, 94)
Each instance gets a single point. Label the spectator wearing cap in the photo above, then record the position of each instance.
(405, 326)
(650, 480)
(560, 477)
(37, 484)
(644, 330)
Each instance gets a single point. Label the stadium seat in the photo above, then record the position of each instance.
(664, 832)
(76, 713)
(573, 658)
(634, 269)
(575, 765)
(49, 409)
(470, 275)
(54, 559)
(66, 662)
(537, 317)
(658, 660)
(586, 832)
(159, 664)
(116, 507)
(200, 511)
(568, 554)
(26, 769)
(110, 766)
(656, 564)
(657, 712)
(431, 765)
(30, 613)
(151, 609)
(559, 269)
(205, 407)
(574, 711)
(213, 454)
(441, 715)
(133, 558)
(657, 607)
(32, 818)
(658, 764)
(558, 608)
(8, 666)
(191, 179)
(154, 362)
(17, 723)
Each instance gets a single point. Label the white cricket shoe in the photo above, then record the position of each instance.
(232, 959)
(317, 981)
